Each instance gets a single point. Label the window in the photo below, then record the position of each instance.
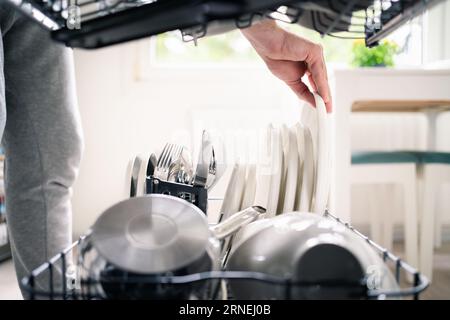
(232, 48)
(437, 35)
(229, 47)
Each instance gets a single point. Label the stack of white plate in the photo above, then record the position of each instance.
(292, 172)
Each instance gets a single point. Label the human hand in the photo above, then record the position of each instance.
(290, 57)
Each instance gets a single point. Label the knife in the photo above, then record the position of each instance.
(204, 159)
(151, 165)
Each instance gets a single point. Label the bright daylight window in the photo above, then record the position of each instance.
(233, 48)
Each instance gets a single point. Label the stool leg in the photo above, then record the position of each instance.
(427, 176)
(388, 196)
(374, 212)
(411, 220)
(438, 220)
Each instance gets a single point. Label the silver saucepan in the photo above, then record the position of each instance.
(306, 248)
(150, 236)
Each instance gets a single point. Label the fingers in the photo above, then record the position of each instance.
(299, 49)
(317, 69)
(302, 91)
(289, 57)
(291, 72)
(311, 81)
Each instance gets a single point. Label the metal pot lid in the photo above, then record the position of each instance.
(151, 234)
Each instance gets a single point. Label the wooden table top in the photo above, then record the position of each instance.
(400, 105)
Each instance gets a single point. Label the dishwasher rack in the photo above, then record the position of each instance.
(71, 287)
(93, 24)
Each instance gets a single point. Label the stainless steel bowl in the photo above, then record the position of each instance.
(304, 248)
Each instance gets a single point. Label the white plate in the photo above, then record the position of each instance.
(233, 194)
(300, 139)
(308, 172)
(250, 187)
(309, 120)
(128, 175)
(264, 170)
(323, 171)
(290, 188)
(276, 151)
(142, 181)
(285, 166)
(233, 198)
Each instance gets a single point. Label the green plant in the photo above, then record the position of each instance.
(381, 55)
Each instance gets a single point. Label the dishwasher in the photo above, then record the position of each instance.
(103, 265)
(92, 24)
(411, 283)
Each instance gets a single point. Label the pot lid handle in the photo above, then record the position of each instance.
(236, 221)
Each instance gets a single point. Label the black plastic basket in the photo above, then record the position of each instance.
(99, 23)
(70, 286)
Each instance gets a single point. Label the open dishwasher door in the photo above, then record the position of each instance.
(98, 23)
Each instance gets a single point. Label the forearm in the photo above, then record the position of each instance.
(265, 36)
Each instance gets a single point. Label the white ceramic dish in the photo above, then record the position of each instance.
(300, 139)
(128, 176)
(141, 183)
(285, 138)
(309, 120)
(308, 172)
(263, 171)
(290, 188)
(233, 194)
(276, 151)
(323, 166)
(250, 187)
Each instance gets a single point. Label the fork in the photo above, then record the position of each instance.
(180, 170)
(170, 153)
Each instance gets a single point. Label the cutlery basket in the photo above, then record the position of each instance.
(59, 279)
(198, 196)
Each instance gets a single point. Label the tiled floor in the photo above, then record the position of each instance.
(9, 290)
(440, 289)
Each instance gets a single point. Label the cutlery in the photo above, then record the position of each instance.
(151, 166)
(162, 163)
(181, 170)
(217, 165)
(212, 170)
(204, 159)
(168, 155)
